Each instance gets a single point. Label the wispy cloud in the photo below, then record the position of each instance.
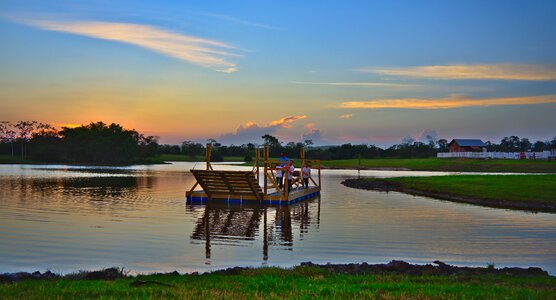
(345, 116)
(238, 21)
(199, 51)
(286, 121)
(453, 101)
(358, 84)
(461, 71)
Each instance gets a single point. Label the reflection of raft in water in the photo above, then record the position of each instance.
(237, 187)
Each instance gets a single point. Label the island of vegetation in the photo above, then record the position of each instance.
(95, 143)
(394, 280)
(529, 192)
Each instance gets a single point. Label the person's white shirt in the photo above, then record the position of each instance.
(306, 171)
(290, 173)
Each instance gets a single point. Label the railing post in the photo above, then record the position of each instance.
(287, 184)
(265, 157)
(257, 158)
(319, 174)
(207, 156)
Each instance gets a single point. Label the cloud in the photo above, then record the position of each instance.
(314, 135)
(358, 84)
(250, 132)
(345, 116)
(453, 101)
(427, 135)
(203, 52)
(239, 21)
(495, 71)
(286, 121)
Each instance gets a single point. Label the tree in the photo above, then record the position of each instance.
(524, 144)
(271, 141)
(100, 143)
(553, 143)
(510, 144)
(213, 143)
(539, 146)
(308, 143)
(25, 129)
(192, 149)
(431, 140)
(407, 140)
(7, 134)
(442, 145)
(46, 143)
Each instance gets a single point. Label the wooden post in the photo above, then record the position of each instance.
(286, 183)
(207, 156)
(319, 174)
(257, 158)
(302, 156)
(265, 154)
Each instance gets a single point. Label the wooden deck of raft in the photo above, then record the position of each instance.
(241, 187)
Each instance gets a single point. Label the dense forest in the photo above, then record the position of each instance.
(100, 143)
(95, 143)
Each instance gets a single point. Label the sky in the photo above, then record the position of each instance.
(331, 71)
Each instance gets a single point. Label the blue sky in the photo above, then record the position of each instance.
(333, 71)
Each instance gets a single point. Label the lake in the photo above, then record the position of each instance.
(69, 218)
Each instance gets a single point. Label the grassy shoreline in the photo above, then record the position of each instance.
(396, 279)
(529, 192)
(447, 165)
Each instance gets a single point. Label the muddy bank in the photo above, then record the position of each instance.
(388, 186)
(395, 266)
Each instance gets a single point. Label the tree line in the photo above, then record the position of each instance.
(408, 148)
(95, 143)
(100, 143)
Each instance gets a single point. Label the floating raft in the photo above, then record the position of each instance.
(242, 187)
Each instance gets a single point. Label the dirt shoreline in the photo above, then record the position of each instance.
(387, 186)
(438, 268)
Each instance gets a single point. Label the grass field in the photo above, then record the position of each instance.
(534, 192)
(179, 157)
(455, 165)
(297, 283)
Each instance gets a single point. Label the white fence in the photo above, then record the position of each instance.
(500, 155)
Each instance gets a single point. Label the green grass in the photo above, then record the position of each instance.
(181, 157)
(522, 188)
(446, 164)
(297, 283)
(8, 159)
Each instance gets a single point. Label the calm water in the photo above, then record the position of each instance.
(70, 218)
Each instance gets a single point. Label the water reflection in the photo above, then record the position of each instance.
(67, 218)
(238, 225)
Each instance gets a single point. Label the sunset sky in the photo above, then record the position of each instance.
(330, 71)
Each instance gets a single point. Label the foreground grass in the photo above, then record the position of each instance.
(180, 157)
(297, 283)
(530, 192)
(446, 164)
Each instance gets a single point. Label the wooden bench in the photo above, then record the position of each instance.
(225, 183)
